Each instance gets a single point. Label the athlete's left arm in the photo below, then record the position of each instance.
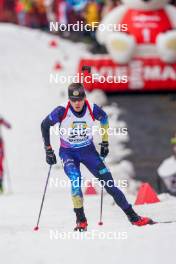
(101, 116)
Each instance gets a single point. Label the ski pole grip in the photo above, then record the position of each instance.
(86, 68)
(87, 77)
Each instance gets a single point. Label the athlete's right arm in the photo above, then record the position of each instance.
(53, 118)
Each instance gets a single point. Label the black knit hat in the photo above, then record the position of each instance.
(76, 92)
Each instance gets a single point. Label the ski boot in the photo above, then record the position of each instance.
(81, 226)
(81, 221)
(137, 220)
(143, 221)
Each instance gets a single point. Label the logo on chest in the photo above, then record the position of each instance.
(78, 131)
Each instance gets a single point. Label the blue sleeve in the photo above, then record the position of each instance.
(53, 118)
(100, 115)
(56, 115)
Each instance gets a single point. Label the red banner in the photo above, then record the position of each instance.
(139, 75)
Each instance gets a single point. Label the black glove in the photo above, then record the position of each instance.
(104, 149)
(50, 156)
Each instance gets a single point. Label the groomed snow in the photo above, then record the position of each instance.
(26, 96)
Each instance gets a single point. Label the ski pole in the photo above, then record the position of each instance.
(43, 198)
(101, 202)
(87, 73)
(101, 207)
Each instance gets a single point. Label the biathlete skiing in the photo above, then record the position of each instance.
(77, 147)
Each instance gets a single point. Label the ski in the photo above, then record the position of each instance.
(162, 222)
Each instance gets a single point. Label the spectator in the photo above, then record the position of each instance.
(41, 16)
(1, 9)
(91, 16)
(60, 8)
(76, 5)
(7, 11)
(49, 6)
(92, 12)
(23, 9)
(167, 170)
